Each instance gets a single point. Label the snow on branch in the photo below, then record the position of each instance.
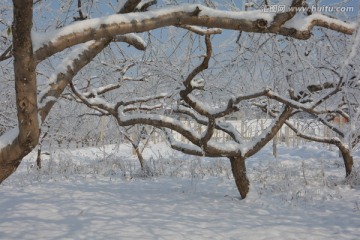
(143, 107)
(219, 125)
(101, 90)
(228, 108)
(145, 99)
(107, 88)
(129, 6)
(201, 31)
(212, 148)
(136, 79)
(312, 137)
(323, 139)
(49, 43)
(158, 121)
(67, 64)
(64, 73)
(95, 102)
(144, 5)
(330, 125)
(206, 136)
(118, 24)
(122, 69)
(191, 83)
(232, 102)
(198, 83)
(182, 147)
(342, 146)
(302, 23)
(268, 134)
(328, 95)
(132, 39)
(309, 106)
(202, 108)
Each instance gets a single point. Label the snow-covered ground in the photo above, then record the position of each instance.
(98, 193)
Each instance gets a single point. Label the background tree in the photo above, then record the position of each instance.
(78, 43)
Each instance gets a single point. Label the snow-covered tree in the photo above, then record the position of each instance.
(74, 39)
(327, 93)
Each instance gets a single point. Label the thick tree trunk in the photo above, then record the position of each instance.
(26, 91)
(26, 87)
(348, 159)
(239, 172)
(10, 158)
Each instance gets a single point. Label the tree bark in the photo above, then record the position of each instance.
(26, 86)
(26, 91)
(187, 16)
(38, 159)
(274, 146)
(140, 157)
(348, 159)
(238, 169)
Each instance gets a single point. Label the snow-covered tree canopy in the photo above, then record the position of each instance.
(186, 63)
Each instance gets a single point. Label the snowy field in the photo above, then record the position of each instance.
(98, 193)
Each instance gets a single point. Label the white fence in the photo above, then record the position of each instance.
(252, 128)
(247, 128)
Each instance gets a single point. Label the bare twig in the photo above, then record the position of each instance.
(6, 54)
(81, 14)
